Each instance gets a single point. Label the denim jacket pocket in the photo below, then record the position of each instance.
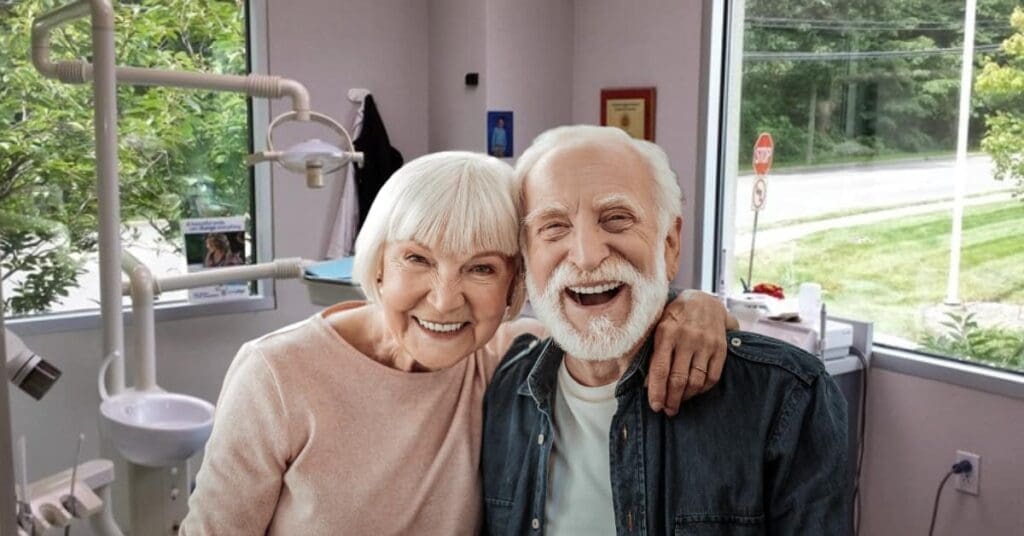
(498, 513)
(710, 524)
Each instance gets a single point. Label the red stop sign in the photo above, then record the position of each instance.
(763, 149)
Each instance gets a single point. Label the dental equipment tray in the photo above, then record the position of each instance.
(330, 282)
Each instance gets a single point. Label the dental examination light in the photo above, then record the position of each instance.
(153, 509)
(25, 369)
(312, 157)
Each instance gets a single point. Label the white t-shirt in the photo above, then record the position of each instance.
(579, 499)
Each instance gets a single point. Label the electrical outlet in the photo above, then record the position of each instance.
(968, 482)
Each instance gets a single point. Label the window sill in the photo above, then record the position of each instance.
(952, 372)
(56, 323)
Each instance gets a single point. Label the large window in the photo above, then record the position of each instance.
(862, 100)
(181, 152)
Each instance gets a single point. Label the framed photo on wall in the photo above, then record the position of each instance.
(631, 109)
(499, 135)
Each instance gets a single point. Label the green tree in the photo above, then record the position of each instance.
(1001, 86)
(884, 77)
(178, 149)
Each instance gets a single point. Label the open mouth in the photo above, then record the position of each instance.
(598, 294)
(441, 328)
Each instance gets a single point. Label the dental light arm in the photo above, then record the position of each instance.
(105, 75)
(80, 71)
(146, 484)
(28, 371)
(313, 157)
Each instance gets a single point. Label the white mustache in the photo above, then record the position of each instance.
(601, 338)
(612, 269)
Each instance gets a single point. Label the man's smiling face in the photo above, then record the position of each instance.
(596, 252)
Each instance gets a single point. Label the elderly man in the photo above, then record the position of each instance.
(570, 447)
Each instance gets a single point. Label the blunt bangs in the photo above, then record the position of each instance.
(459, 209)
(454, 202)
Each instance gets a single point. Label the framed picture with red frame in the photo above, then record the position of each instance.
(631, 109)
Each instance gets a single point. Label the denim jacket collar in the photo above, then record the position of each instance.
(540, 383)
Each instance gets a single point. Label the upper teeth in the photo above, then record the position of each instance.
(595, 289)
(444, 328)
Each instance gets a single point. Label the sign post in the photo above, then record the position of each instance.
(764, 148)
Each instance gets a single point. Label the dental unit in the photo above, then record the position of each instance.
(154, 430)
(31, 373)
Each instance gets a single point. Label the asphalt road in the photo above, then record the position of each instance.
(810, 193)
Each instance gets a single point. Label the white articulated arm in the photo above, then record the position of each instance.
(80, 71)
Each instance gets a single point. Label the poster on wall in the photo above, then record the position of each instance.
(499, 134)
(212, 243)
(631, 109)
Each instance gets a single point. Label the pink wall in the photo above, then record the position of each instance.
(457, 46)
(523, 53)
(653, 43)
(331, 47)
(530, 64)
(915, 427)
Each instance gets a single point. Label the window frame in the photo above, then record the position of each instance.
(262, 219)
(712, 191)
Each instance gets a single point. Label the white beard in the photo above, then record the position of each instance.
(601, 340)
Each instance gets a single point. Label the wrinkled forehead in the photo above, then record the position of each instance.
(588, 173)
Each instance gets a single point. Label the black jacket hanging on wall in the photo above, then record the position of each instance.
(381, 159)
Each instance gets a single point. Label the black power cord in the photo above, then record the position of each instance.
(860, 436)
(962, 466)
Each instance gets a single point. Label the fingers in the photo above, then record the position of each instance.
(657, 374)
(679, 379)
(699, 374)
(689, 352)
(715, 365)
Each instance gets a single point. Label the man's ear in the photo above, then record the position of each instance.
(672, 247)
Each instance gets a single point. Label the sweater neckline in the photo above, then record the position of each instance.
(367, 362)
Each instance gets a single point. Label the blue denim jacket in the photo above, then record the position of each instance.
(764, 452)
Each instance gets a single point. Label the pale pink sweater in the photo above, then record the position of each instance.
(313, 437)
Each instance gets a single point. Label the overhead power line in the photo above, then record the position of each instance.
(842, 24)
(869, 54)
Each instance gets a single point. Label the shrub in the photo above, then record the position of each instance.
(966, 339)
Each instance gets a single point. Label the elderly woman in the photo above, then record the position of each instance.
(366, 418)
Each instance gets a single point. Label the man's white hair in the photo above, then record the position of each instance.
(455, 202)
(667, 194)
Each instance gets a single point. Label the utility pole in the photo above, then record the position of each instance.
(960, 179)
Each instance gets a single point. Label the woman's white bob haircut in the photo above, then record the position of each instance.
(668, 194)
(454, 202)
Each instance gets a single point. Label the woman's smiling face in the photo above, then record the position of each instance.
(438, 307)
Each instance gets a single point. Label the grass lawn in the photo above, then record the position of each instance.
(890, 272)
